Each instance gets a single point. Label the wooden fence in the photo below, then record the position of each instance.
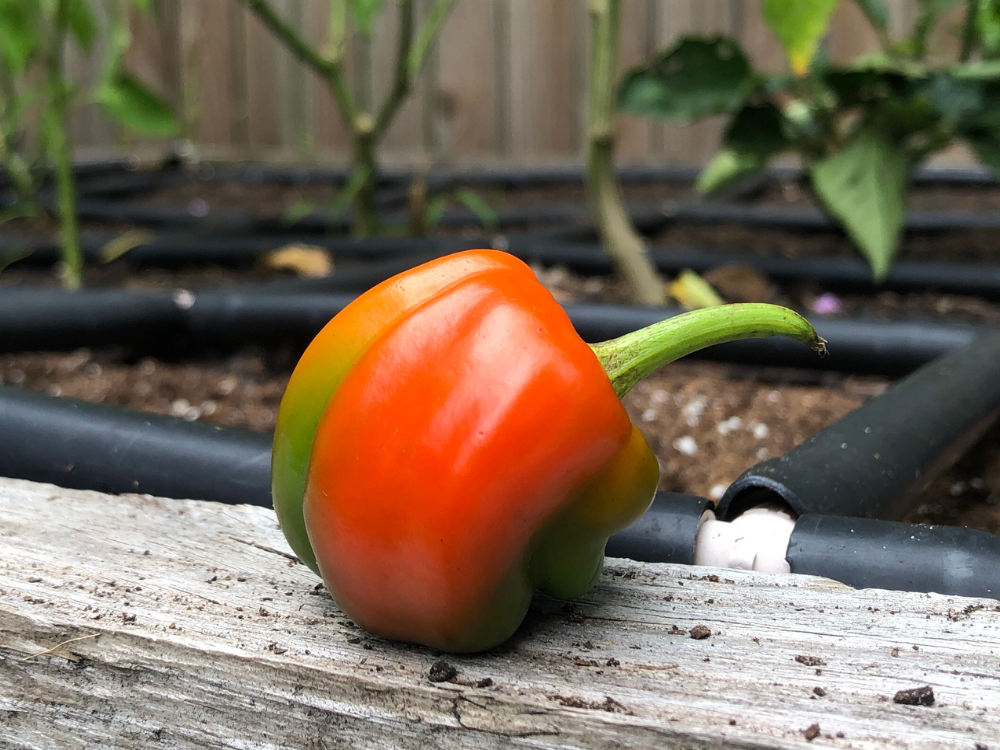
(505, 82)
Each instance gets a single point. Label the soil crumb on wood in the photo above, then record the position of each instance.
(921, 696)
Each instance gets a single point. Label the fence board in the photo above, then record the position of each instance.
(467, 96)
(406, 134)
(266, 62)
(506, 81)
(543, 103)
(326, 127)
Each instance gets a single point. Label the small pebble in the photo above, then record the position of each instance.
(717, 491)
(442, 671)
(198, 207)
(761, 431)
(729, 425)
(686, 446)
(826, 304)
(179, 407)
(649, 415)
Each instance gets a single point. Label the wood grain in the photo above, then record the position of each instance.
(133, 621)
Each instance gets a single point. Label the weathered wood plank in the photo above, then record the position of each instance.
(130, 621)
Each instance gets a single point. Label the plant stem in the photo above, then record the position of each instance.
(62, 152)
(969, 31)
(366, 129)
(629, 358)
(627, 249)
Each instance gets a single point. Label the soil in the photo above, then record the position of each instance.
(706, 422)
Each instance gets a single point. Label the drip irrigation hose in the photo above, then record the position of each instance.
(647, 218)
(862, 553)
(39, 319)
(866, 553)
(667, 532)
(109, 449)
(48, 319)
(534, 176)
(696, 212)
(874, 462)
(835, 273)
(114, 450)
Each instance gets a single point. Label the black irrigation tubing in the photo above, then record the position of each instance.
(698, 212)
(89, 446)
(874, 462)
(834, 273)
(863, 553)
(84, 170)
(648, 218)
(109, 449)
(133, 180)
(533, 176)
(35, 319)
(237, 220)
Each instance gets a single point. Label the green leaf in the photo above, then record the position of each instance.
(727, 166)
(695, 78)
(82, 23)
(336, 29)
(980, 70)
(986, 143)
(349, 192)
(484, 212)
(876, 12)
(135, 106)
(365, 12)
(435, 210)
(19, 34)
(799, 25)
(988, 25)
(298, 211)
(754, 136)
(864, 187)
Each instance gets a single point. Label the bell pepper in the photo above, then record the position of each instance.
(448, 444)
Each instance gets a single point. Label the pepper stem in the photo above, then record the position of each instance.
(629, 358)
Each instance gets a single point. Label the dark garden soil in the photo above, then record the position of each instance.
(706, 422)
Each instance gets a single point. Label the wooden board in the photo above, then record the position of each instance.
(132, 621)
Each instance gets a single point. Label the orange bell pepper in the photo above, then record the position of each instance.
(448, 444)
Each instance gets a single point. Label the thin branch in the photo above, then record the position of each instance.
(402, 84)
(969, 31)
(329, 69)
(627, 249)
(428, 33)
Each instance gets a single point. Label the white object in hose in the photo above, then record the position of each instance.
(756, 540)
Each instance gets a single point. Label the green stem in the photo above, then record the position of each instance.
(62, 153)
(627, 249)
(630, 358)
(969, 31)
(329, 68)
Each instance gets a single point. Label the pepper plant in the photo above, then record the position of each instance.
(860, 127)
(448, 443)
(33, 38)
(366, 128)
(623, 243)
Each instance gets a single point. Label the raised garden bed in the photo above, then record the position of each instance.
(707, 422)
(132, 621)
